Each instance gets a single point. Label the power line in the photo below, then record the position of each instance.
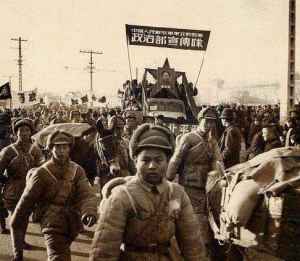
(91, 66)
(20, 60)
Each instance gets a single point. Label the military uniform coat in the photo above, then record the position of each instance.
(230, 146)
(194, 156)
(62, 197)
(16, 163)
(139, 218)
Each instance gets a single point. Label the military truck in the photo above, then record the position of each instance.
(162, 91)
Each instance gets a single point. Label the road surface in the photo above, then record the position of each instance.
(80, 247)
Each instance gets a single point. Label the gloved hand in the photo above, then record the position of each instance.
(89, 220)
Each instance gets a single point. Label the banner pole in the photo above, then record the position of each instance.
(129, 61)
(200, 69)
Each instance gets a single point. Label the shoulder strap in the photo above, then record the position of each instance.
(49, 172)
(14, 149)
(131, 200)
(74, 168)
(198, 135)
(171, 189)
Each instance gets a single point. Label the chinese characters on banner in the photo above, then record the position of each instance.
(167, 37)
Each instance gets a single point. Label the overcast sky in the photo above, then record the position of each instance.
(248, 42)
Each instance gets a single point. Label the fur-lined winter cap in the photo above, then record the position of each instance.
(59, 137)
(22, 122)
(151, 136)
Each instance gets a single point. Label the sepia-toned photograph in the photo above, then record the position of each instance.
(150, 130)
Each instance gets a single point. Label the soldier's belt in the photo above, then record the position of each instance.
(152, 248)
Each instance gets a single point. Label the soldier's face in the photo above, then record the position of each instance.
(206, 125)
(61, 152)
(152, 165)
(24, 133)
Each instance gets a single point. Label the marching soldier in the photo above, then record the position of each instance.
(5, 140)
(271, 137)
(130, 124)
(5, 129)
(146, 212)
(195, 155)
(230, 142)
(15, 161)
(63, 197)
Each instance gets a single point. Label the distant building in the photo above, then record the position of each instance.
(218, 91)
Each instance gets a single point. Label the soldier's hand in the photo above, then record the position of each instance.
(17, 257)
(89, 220)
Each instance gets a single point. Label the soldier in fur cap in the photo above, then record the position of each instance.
(144, 212)
(15, 161)
(64, 201)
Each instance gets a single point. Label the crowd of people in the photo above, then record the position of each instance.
(145, 204)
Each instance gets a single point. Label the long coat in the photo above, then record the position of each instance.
(62, 197)
(143, 220)
(16, 162)
(230, 145)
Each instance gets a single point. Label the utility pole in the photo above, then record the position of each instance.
(91, 66)
(20, 60)
(288, 97)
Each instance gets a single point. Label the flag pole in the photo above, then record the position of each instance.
(129, 61)
(200, 69)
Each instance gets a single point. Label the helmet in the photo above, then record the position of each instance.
(59, 137)
(22, 122)
(207, 113)
(151, 136)
(227, 114)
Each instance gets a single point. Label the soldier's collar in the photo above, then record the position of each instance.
(148, 187)
(23, 146)
(58, 166)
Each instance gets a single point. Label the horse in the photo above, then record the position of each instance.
(253, 207)
(94, 149)
(113, 155)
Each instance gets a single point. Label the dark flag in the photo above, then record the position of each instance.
(5, 92)
(74, 101)
(102, 99)
(21, 97)
(32, 96)
(84, 99)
